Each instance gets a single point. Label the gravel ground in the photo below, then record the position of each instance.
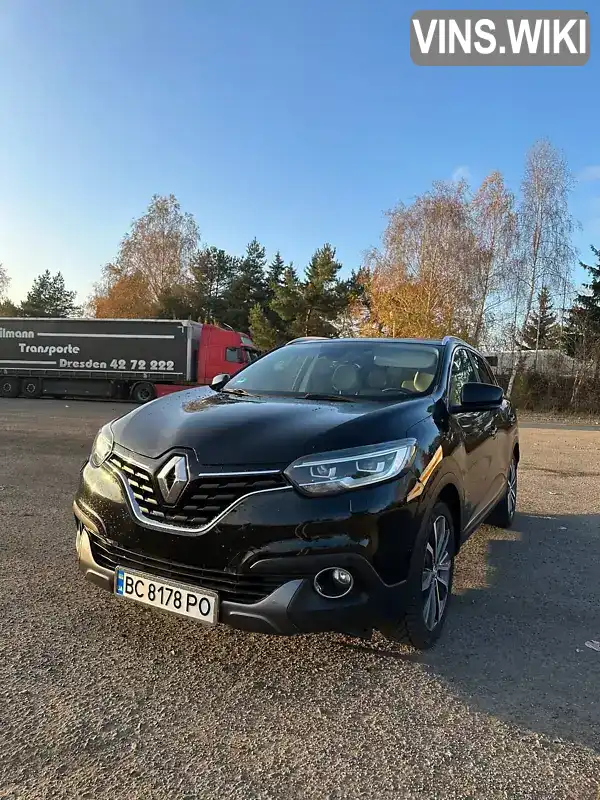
(101, 698)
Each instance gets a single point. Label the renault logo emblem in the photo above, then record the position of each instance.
(173, 478)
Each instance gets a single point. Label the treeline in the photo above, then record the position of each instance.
(162, 270)
(486, 263)
(48, 297)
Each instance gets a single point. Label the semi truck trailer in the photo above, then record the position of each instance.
(125, 359)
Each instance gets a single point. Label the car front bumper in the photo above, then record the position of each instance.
(293, 607)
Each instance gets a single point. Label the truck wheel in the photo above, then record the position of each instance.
(9, 387)
(143, 392)
(31, 387)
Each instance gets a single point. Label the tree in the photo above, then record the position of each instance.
(263, 332)
(122, 295)
(544, 226)
(542, 331)
(355, 312)
(49, 297)
(201, 295)
(324, 294)
(275, 272)
(4, 282)
(7, 308)
(159, 247)
(152, 263)
(247, 288)
(494, 221)
(582, 331)
(422, 281)
(311, 306)
(213, 271)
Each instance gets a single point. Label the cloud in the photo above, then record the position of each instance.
(461, 173)
(591, 173)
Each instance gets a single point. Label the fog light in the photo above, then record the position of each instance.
(343, 577)
(333, 582)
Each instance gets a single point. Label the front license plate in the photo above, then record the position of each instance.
(200, 604)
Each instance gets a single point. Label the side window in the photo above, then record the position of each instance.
(232, 354)
(485, 373)
(462, 372)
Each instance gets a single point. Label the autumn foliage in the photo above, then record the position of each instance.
(122, 296)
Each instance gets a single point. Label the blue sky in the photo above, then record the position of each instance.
(296, 121)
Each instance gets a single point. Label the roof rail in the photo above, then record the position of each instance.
(448, 339)
(309, 339)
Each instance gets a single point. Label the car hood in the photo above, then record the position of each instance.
(225, 429)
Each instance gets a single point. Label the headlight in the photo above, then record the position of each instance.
(330, 473)
(102, 447)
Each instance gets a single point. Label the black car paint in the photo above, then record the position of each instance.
(286, 533)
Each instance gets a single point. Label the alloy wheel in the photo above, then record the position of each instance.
(435, 580)
(512, 489)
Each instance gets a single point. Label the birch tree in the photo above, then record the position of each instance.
(4, 281)
(494, 221)
(160, 246)
(544, 254)
(422, 282)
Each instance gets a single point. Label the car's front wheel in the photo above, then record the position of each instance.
(429, 583)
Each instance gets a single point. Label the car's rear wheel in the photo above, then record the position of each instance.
(429, 583)
(504, 513)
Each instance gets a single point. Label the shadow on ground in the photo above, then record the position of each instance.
(525, 602)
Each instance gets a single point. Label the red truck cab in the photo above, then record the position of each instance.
(221, 351)
(216, 351)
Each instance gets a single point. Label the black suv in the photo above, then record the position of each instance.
(328, 486)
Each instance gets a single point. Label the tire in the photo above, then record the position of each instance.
(143, 392)
(9, 387)
(31, 387)
(503, 514)
(429, 588)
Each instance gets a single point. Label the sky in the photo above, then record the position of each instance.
(296, 121)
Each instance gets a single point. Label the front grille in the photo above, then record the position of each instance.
(202, 501)
(240, 588)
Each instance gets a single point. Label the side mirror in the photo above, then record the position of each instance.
(480, 397)
(219, 381)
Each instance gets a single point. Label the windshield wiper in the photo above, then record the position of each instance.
(338, 397)
(241, 392)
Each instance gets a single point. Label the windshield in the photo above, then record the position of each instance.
(369, 370)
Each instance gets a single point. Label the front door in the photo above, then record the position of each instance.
(474, 433)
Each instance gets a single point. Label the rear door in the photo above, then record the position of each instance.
(501, 448)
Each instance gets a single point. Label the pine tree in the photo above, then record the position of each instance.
(247, 288)
(542, 332)
(263, 332)
(289, 303)
(325, 295)
(275, 272)
(49, 297)
(311, 307)
(582, 332)
(212, 272)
